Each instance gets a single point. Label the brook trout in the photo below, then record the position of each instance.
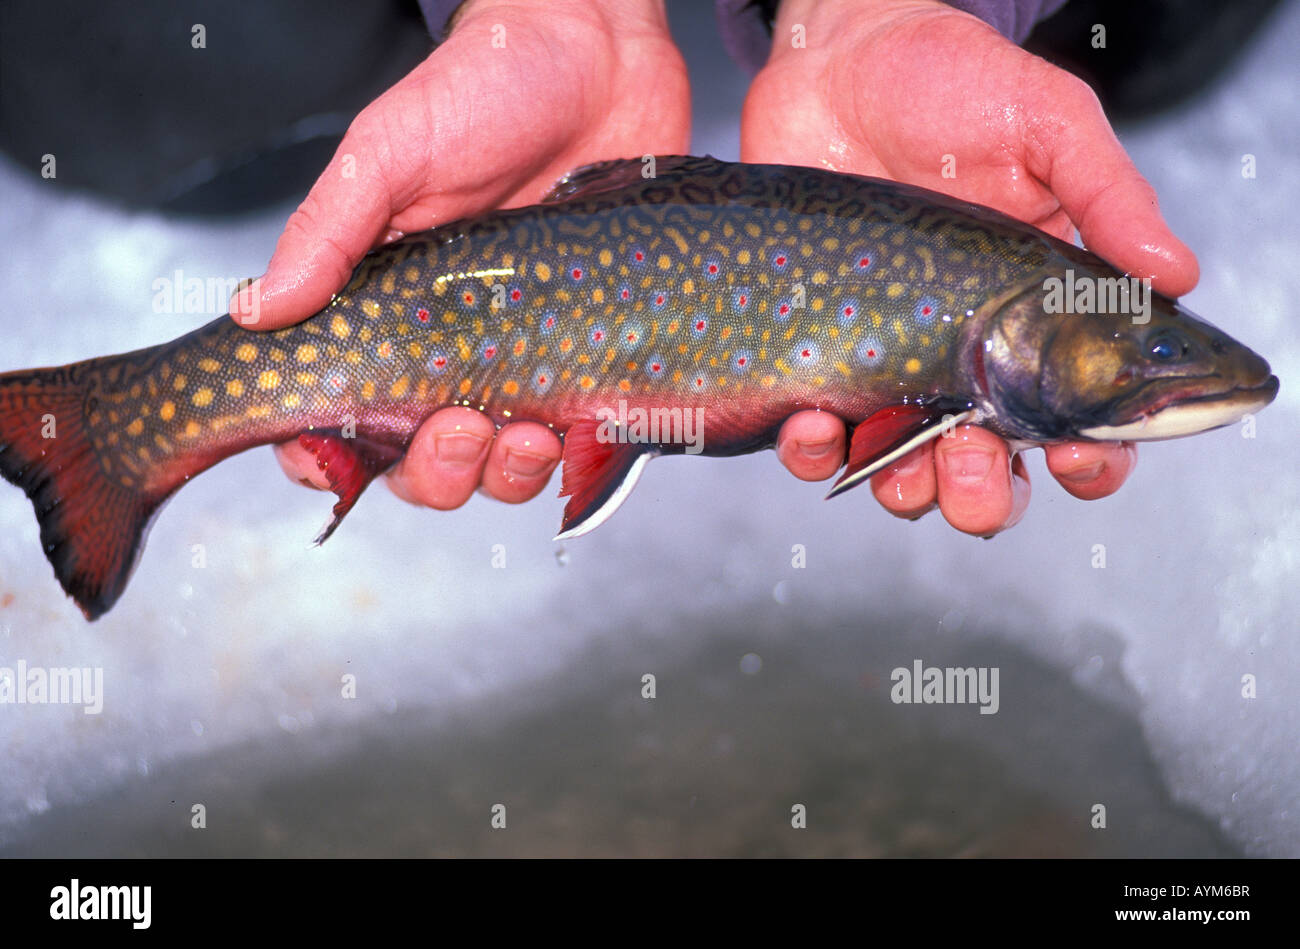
(691, 311)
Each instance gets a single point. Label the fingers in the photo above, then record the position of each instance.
(1091, 470)
(457, 449)
(908, 488)
(521, 461)
(1102, 191)
(811, 445)
(980, 490)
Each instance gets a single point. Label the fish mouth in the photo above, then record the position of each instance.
(1183, 407)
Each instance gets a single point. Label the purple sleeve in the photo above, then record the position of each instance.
(436, 14)
(746, 35)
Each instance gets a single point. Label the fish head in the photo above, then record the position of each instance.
(1147, 375)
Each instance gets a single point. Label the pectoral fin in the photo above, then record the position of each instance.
(894, 431)
(598, 476)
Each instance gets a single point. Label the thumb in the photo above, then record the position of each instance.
(1113, 206)
(343, 216)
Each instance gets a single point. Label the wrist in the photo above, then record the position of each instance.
(615, 16)
(818, 23)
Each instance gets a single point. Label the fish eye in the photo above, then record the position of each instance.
(1167, 346)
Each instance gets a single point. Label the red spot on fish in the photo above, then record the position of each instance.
(864, 262)
(699, 382)
(848, 311)
(422, 315)
(871, 354)
(550, 323)
(626, 293)
(576, 273)
(699, 326)
(597, 336)
(780, 260)
(469, 299)
(489, 352)
(741, 361)
(806, 353)
(638, 257)
(659, 300)
(516, 294)
(631, 337)
(656, 367)
(743, 300)
(541, 379)
(713, 269)
(440, 362)
(785, 309)
(926, 311)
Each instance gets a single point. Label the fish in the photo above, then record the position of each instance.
(664, 305)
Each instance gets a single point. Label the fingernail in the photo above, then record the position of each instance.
(246, 305)
(1084, 474)
(459, 449)
(911, 463)
(815, 449)
(526, 464)
(970, 465)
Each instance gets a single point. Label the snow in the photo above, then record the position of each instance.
(477, 684)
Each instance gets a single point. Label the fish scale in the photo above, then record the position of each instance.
(741, 293)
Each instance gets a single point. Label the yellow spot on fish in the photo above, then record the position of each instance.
(368, 390)
(586, 382)
(543, 272)
(510, 387)
(894, 290)
(235, 388)
(665, 261)
(912, 365)
(412, 274)
(178, 384)
(207, 364)
(339, 327)
(743, 258)
(399, 387)
(258, 411)
(465, 386)
(306, 353)
(167, 411)
(246, 352)
(306, 378)
(203, 397)
(136, 427)
(268, 380)
(292, 400)
(370, 308)
(606, 258)
(191, 429)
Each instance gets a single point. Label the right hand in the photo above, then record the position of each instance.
(478, 125)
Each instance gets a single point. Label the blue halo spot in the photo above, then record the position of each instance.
(927, 308)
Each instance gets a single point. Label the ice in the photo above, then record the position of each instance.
(1123, 684)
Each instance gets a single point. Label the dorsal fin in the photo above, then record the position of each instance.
(620, 173)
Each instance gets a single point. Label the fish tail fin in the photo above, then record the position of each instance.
(92, 526)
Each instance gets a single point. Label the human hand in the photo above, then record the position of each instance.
(476, 126)
(890, 87)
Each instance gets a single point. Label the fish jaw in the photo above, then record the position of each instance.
(1176, 417)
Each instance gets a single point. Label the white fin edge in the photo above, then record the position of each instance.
(929, 434)
(603, 513)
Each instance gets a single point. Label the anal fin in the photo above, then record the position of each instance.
(349, 464)
(891, 433)
(598, 476)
